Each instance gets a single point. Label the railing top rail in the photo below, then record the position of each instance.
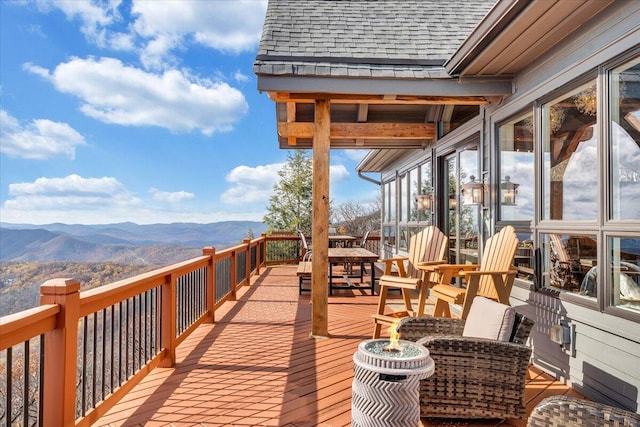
(96, 299)
(22, 326)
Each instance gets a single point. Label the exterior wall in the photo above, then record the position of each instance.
(602, 356)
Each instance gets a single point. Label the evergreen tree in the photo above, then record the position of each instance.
(290, 205)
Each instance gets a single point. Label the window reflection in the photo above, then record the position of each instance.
(625, 141)
(516, 169)
(625, 272)
(570, 156)
(569, 263)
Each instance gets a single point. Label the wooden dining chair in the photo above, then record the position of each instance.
(492, 278)
(415, 272)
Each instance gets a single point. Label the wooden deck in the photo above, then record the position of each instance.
(257, 366)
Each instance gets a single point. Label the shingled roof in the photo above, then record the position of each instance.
(365, 38)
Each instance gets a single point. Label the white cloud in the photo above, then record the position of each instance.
(171, 197)
(227, 26)
(240, 77)
(116, 93)
(39, 139)
(251, 185)
(338, 174)
(159, 27)
(79, 200)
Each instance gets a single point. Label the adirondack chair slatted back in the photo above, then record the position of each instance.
(498, 255)
(429, 244)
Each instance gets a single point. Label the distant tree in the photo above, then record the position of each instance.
(250, 234)
(357, 218)
(290, 205)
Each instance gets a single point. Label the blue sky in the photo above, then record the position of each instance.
(142, 111)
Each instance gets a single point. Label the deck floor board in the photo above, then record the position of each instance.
(257, 366)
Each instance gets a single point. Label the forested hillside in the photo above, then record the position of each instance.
(20, 281)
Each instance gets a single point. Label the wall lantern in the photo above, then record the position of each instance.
(453, 202)
(508, 192)
(473, 192)
(424, 201)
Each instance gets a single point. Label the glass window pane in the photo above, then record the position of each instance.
(516, 197)
(426, 188)
(570, 263)
(570, 156)
(625, 272)
(413, 192)
(392, 201)
(403, 198)
(625, 141)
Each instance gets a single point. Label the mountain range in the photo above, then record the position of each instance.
(125, 243)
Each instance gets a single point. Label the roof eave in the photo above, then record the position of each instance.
(382, 86)
(498, 18)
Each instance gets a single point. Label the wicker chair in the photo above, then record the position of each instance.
(559, 411)
(474, 377)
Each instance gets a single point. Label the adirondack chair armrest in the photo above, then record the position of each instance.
(487, 272)
(429, 265)
(388, 264)
(454, 270)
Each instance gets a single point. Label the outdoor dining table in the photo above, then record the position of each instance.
(339, 240)
(354, 256)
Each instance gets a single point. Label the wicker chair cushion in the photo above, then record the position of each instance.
(489, 319)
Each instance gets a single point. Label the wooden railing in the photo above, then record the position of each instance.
(68, 361)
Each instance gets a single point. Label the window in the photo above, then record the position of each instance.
(571, 263)
(517, 184)
(625, 272)
(413, 192)
(403, 198)
(570, 161)
(624, 157)
(426, 188)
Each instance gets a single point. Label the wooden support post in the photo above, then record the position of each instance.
(210, 251)
(168, 331)
(320, 220)
(61, 352)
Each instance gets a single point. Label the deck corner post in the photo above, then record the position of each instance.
(210, 251)
(61, 352)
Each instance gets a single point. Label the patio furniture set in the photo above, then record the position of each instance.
(482, 358)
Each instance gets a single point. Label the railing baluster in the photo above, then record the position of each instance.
(9, 396)
(40, 378)
(83, 401)
(94, 357)
(25, 405)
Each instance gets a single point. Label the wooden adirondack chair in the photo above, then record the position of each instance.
(492, 278)
(426, 250)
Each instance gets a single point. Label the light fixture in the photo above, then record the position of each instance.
(586, 101)
(453, 202)
(473, 192)
(424, 201)
(508, 192)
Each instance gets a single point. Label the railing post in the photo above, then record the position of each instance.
(210, 251)
(168, 332)
(247, 266)
(61, 352)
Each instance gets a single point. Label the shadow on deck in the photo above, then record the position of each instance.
(257, 366)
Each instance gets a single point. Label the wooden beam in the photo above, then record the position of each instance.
(340, 98)
(320, 221)
(361, 130)
(291, 118)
